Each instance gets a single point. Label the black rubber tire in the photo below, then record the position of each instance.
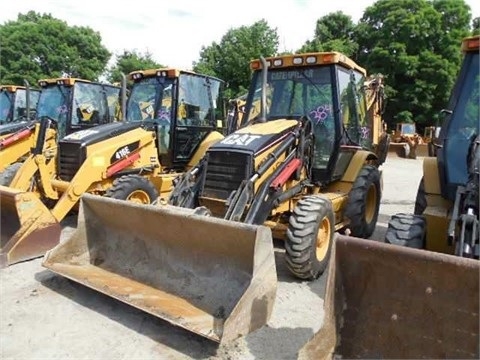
(421, 200)
(382, 149)
(301, 243)
(431, 149)
(124, 186)
(7, 175)
(406, 230)
(367, 182)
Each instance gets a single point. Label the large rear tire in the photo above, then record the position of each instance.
(309, 237)
(133, 188)
(7, 175)
(421, 200)
(363, 202)
(406, 230)
(382, 149)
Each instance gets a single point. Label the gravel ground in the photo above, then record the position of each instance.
(45, 316)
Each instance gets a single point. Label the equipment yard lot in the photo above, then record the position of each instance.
(46, 316)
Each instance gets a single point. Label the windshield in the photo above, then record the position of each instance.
(292, 93)
(20, 106)
(53, 102)
(150, 98)
(408, 129)
(198, 98)
(464, 123)
(5, 106)
(93, 103)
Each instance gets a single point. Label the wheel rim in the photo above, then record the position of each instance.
(371, 204)
(323, 239)
(139, 197)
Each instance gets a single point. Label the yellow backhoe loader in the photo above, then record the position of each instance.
(71, 104)
(130, 160)
(300, 169)
(406, 142)
(417, 298)
(17, 107)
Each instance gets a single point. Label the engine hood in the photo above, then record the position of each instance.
(100, 133)
(255, 138)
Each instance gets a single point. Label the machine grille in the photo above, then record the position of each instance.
(225, 172)
(70, 159)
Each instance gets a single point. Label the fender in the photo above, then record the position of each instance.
(356, 164)
(211, 139)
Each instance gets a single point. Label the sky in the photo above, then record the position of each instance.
(173, 32)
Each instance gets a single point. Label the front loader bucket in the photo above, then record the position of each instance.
(214, 277)
(27, 227)
(422, 150)
(398, 150)
(385, 301)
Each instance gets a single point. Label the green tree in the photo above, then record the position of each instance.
(131, 60)
(416, 44)
(37, 46)
(229, 60)
(476, 26)
(333, 32)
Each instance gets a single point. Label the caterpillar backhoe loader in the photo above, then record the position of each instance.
(17, 107)
(130, 160)
(417, 298)
(407, 143)
(300, 169)
(73, 104)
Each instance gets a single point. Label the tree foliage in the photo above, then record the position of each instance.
(333, 32)
(229, 60)
(416, 44)
(37, 46)
(131, 60)
(476, 26)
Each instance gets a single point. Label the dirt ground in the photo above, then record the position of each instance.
(45, 316)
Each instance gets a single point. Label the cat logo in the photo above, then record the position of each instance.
(81, 134)
(240, 139)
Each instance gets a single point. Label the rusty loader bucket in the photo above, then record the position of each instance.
(27, 227)
(398, 150)
(385, 301)
(214, 277)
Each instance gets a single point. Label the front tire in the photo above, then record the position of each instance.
(133, 188)
(310, 237)
(421, 200)
(363, 202)
(406, 230)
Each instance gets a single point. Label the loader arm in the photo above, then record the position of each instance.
(29, 227)
(98, 167)
(41, 160)
(464, 225)
(258, 194)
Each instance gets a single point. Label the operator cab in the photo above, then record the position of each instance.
(76, 104)
(462, 123)
(182, 107)
(326, 88)
(13, 103)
